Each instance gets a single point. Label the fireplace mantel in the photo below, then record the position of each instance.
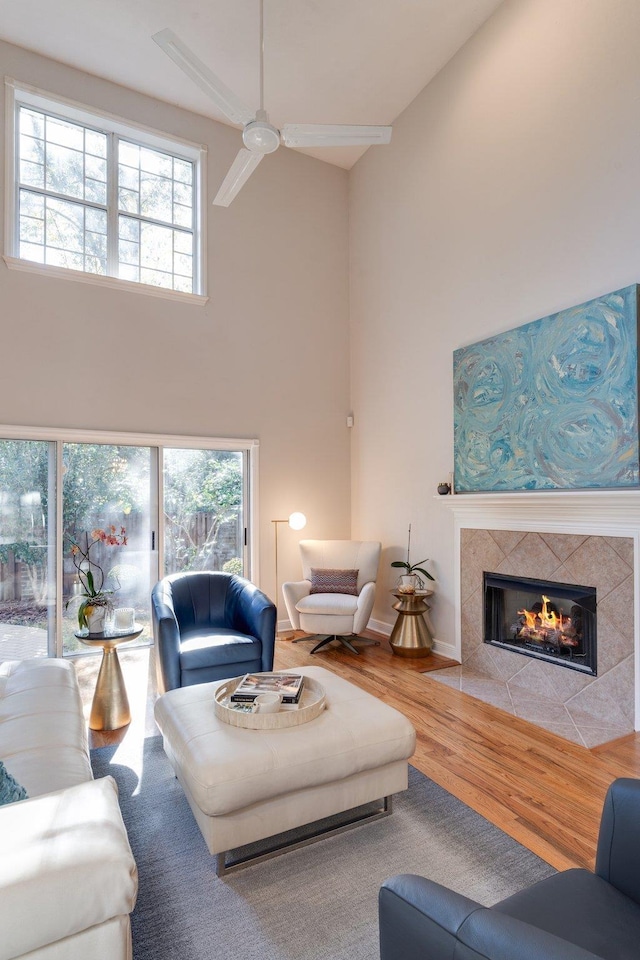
(614, 513)
(580, 511)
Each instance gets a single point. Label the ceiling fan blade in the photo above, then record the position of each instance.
(333, 135)
(225, 99)
(239, 172)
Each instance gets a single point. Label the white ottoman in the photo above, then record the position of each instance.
(246, 785)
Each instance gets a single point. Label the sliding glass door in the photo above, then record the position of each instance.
(27, 553)
(181, 505)
(204, 526)
(112, 488)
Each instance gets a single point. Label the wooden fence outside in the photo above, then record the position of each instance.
(17, 585)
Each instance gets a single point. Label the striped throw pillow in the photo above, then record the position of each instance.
(334, 581)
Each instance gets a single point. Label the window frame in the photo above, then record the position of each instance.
(19, 94)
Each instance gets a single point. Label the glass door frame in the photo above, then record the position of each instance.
(250, 452)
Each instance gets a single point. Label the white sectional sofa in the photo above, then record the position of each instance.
(68, 880)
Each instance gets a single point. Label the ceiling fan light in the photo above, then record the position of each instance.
(261, 137)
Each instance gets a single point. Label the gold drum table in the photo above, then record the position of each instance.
(110, 705)
(411, 636)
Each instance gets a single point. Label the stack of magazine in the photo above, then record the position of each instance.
(289, 685)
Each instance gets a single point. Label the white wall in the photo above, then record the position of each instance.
(267, 357)
(510, 190)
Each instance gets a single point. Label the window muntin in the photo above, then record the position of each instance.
(155, 221)
(93, 197)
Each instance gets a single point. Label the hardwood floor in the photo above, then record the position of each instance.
(542, 790)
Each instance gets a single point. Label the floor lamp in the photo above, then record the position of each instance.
(296, 521)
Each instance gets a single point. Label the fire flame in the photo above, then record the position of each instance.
(546, 626)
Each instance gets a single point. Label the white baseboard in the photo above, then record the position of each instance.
(439, 647)
(445, 649)
(379, 626)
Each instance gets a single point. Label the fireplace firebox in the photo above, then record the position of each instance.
(542, 619)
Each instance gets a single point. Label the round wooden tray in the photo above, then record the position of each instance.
(311, 705)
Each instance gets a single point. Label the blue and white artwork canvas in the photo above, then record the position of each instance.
(551, 405)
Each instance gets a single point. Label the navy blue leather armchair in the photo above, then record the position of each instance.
(573, 915)
(210, 626)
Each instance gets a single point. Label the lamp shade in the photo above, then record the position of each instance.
(297, 521)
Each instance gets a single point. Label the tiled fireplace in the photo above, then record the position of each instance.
(542, 618)
(576, 551)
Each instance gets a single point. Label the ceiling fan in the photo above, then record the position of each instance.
(259, 136)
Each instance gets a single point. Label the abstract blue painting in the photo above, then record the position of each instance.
(551, 405)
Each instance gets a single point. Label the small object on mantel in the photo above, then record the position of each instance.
(444, 488)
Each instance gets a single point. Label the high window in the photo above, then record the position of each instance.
(94, 195)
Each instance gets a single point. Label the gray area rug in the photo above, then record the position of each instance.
(315, 903)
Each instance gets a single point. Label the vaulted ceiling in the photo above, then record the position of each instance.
(326, 61)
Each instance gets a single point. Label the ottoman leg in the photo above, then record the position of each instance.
(222, 867)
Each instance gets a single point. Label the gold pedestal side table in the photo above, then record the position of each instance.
(110, 705)
(411, 636)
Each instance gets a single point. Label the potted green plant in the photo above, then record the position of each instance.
(411, 580)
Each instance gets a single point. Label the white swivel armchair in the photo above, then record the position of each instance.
(335, 599)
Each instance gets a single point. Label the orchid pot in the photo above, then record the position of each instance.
(94, 617)
(409, 583)
(97, 600)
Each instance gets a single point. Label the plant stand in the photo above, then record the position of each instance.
(110, 706)
(410, 636)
